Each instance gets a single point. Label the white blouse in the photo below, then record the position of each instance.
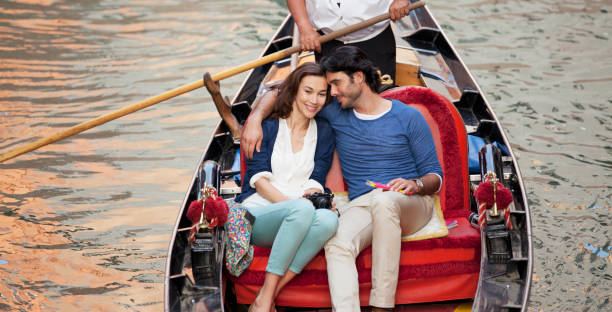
(330, 15)
(290, 171)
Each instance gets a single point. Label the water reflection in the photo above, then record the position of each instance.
(86, 221)
(544, 67)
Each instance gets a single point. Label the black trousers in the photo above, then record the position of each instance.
(380, 50)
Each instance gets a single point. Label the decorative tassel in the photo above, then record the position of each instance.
(207, 213)
(194, 213)
(215, 209)
(484, 195)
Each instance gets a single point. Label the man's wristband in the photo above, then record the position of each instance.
(419, 184)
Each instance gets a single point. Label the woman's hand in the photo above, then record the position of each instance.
(311, 190)
(268, 191)
(316, 190)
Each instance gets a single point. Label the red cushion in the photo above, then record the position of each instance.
(458, 286)
(450, 137)
(454, 259)
(430, 270)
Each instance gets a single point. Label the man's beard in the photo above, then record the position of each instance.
(349, 99)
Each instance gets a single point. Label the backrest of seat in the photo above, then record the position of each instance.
(334, 180)
(450, 137)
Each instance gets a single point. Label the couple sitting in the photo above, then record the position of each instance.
(289, 155)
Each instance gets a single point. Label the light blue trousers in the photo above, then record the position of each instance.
(295, 231)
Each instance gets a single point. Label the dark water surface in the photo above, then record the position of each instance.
(85, 223)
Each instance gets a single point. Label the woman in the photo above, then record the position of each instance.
(294, 158)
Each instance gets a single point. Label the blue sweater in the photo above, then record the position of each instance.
(260, 162)
(398, 144)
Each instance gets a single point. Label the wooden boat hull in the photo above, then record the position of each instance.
(426, 58)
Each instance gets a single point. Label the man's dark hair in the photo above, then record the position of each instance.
(350, 59)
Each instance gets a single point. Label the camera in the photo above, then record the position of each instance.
(321, 200)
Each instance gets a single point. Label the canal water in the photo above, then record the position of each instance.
(85, 223)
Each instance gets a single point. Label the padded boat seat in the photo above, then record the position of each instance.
(436, 269)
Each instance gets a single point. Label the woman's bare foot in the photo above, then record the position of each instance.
(263, 302)
(258, 306)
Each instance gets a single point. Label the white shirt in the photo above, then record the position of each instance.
(325, 15)
(290, 171)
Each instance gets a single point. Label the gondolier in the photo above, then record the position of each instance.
(317, 17)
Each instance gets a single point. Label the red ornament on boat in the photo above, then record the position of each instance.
(208, 212)
(194, 213)
(489, 192)
(215, 209)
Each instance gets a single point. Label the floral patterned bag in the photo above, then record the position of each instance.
(238, 248)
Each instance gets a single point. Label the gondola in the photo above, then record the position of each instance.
(478, 266)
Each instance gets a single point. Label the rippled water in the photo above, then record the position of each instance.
(85, 222)
(546, 68)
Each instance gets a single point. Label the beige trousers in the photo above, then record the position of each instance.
(379, 219)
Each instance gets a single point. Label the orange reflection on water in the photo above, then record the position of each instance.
(159, 110)
(190, 117)
(85, 222)
(36, 2)
(33, 74)
(39, 256)
(43, 24)
(21, 182)
(28, 64)
(17, 11)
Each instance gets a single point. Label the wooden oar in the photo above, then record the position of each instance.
(189, 87)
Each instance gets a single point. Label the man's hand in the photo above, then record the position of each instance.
(399, 184)
(252, 135)
(309, 39)
(399, 9)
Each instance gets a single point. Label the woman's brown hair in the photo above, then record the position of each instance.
(289, 89)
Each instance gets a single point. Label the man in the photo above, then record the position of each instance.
(383, 141)
(317, 17)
